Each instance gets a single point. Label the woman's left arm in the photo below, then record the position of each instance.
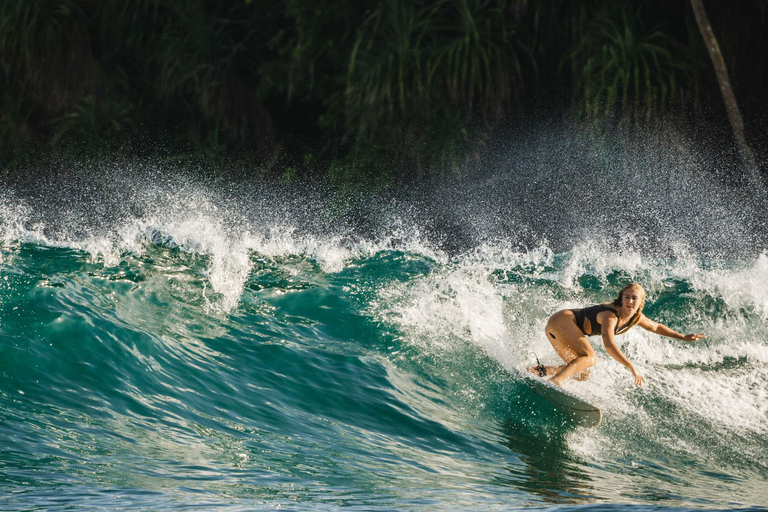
(649, 325)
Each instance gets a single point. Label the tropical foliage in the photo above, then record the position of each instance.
(459, 54)
(421, 74)
(368, 90)
(623, 68)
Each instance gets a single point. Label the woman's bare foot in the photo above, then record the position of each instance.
(556, 381)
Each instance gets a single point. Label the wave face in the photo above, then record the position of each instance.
(168, 343)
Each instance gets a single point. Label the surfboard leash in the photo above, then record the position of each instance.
(540, 368)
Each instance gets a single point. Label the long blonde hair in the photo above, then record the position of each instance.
(636, 317)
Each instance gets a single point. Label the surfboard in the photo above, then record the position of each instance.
(580, 411)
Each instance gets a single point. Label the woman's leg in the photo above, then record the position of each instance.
(571, 345)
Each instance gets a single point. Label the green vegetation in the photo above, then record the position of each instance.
(366, 93)
(625, 69)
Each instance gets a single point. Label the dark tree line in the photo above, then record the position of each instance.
(358, 90)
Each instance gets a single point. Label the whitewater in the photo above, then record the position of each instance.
(177, 342)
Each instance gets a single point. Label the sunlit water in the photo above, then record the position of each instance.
(182, 346)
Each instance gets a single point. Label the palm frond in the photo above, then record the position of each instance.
(621, 68)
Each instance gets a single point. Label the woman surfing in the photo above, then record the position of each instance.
(567, 331)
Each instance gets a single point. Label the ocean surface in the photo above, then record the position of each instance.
(172, 344)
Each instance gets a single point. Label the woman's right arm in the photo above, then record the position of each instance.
(608, 323)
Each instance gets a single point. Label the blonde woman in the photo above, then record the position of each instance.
(567, 331)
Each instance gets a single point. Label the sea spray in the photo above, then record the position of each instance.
(178, 341)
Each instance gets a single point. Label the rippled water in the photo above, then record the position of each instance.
(181, 346)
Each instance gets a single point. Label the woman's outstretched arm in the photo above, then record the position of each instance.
(655, 327)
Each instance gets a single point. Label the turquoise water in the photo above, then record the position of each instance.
(182, 346)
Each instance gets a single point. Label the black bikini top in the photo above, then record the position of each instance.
(590, 313)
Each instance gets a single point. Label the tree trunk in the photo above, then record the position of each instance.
(734, 114)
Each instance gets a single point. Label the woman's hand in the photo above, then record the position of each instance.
(694, 337)
(639, 379)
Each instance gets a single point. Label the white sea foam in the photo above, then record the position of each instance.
(741, 287)
(465, 302)
(198, 221)
(732, 399)
(459, 300)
